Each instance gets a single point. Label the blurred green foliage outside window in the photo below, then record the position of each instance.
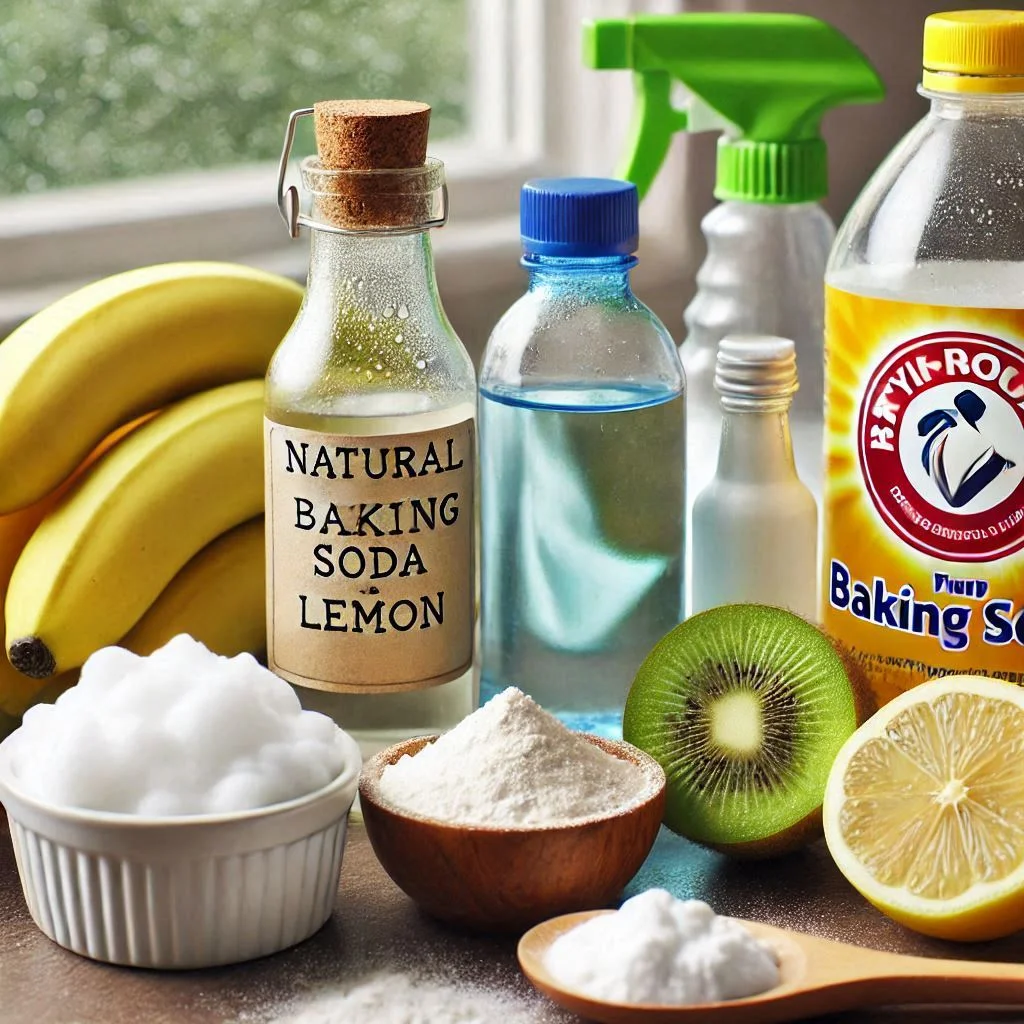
(94, 90)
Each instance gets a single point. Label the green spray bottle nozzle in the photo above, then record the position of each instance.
(766, 80)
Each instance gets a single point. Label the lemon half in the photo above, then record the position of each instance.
(924, 808)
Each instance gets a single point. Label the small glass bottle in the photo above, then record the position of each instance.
(370, 404)
(582, 464)
(755, 526)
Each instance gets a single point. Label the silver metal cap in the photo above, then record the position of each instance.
(755, 371)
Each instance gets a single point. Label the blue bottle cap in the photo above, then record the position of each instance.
(579, 217)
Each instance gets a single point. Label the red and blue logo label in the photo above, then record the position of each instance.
(941, 442)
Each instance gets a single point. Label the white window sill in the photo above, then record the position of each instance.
(54, 242)
(51, 245)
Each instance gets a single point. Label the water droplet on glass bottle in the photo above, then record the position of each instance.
(403, 312)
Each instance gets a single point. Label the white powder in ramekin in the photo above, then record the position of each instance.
(659, 950)
(512, 765)
(183, 731)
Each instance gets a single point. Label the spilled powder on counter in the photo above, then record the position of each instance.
(659, 950)
(393, 998)
(511, 764)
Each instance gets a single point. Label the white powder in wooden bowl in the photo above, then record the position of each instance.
(512, 765)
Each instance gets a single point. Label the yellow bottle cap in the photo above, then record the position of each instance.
(974, 51)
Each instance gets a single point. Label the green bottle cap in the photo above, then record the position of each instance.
(772, 172)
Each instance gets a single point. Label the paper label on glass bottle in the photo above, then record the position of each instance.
(370, 574)
(924, 496)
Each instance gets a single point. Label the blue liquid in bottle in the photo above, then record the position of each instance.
(582, 459)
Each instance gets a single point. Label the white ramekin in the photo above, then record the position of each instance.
(180, 892)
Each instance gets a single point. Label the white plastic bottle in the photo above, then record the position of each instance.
(762, 275)
(764, 81)
(755, 526)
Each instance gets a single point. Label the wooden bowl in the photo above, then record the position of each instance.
(490, 879)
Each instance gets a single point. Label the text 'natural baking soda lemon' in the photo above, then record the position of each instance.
(924, 492)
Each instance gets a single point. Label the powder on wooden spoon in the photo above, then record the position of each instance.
(659, 950)
(512, 765)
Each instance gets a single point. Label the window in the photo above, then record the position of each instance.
(104, 89)
(138, 131)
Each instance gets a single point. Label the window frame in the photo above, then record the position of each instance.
(533, 111)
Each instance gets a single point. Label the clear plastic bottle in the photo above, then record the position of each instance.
(370, 367)
(582, 464)
(924, 496)
(755, 526)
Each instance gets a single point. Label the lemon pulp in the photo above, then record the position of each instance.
(934, 804)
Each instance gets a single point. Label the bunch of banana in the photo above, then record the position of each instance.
(131, 479)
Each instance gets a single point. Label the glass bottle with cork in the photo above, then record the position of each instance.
(370, 405)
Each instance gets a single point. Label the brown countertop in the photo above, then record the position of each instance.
(375, 926)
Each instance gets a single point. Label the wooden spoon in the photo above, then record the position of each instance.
(818, 977)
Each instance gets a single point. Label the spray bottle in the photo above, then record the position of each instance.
(764, 81)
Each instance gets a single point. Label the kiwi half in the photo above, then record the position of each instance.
(745, 707)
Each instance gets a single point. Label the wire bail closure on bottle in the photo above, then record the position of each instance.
(399, 192)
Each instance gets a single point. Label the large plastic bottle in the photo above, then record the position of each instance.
(924, 496)
(764, 81)
(581, 462)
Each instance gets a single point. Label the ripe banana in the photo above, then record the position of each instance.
(119, 536)
(218, 598)
(123, 346)
(18, 692)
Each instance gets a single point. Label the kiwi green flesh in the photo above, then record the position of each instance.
(745, 707)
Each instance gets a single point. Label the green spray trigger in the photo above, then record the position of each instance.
(654, 123)
(766, 80)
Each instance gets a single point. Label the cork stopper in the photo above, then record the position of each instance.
(367, 135)
(371, 170)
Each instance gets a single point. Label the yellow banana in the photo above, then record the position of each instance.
(218, 598)
(18, 692)
(118, 537)
(123, 346)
